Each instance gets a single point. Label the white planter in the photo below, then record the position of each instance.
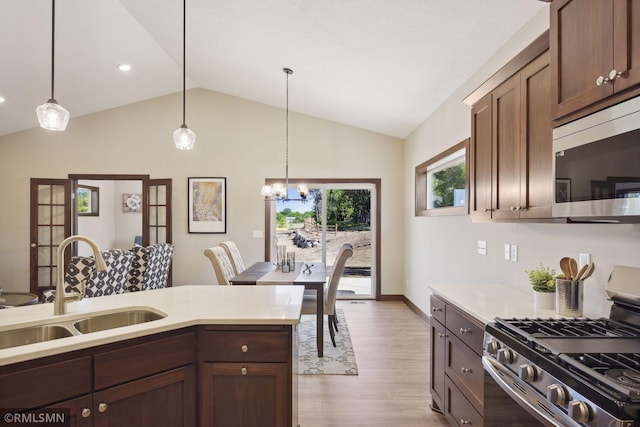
(544, 300)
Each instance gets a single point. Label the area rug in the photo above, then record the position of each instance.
(339, 360)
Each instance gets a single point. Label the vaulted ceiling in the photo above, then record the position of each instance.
(382, 65)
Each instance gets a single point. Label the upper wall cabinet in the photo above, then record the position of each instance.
(595, 55)
(511, 175)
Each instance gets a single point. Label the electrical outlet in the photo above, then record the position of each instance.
(482, 247)
(514, 252)
(507, 252)
(584, 259)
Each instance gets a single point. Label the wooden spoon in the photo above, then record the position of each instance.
(573, 266)
(564, 266)
(581, 272)
(589, 271)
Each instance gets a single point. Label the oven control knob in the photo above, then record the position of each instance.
(505, 355)
(579, 411)
(557, 394)
(527, 372)
(493, 347)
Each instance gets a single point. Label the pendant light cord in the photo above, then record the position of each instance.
(184, 61)
(286, 172)
(53, 35)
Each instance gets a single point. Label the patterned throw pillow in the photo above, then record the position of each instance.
(112, 281)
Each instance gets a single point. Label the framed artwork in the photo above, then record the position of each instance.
(207, 205)
(132, 203)
(563, 190)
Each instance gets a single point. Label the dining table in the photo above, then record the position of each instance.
(311, 275)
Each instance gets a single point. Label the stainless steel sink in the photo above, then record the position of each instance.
(32, 334)
(116, 320)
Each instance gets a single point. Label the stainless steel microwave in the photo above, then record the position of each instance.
(596, 166)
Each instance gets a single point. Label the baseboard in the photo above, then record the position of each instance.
(421, 314)
(391, 298)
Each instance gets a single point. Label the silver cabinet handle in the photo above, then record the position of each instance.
(487, 209)
(465, 422)
(86, 413)
(33, 245)
(102, 407)
(514, 208)
(434, 309)
(614, 74)
(441, 335)
(465, 331)
(601, 80)
(244, 371)
(244, 348)
(465, 370)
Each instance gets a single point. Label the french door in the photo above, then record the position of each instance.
(54, 218)
(335, 212)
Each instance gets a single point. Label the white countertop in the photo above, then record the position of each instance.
(486, 302)
(184, 306)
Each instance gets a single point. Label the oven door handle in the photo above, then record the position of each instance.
(497, 372)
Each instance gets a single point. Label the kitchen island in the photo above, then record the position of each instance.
(208, 348)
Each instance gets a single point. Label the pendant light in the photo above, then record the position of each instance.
(51, 115)
(279, 190)
(183, 137)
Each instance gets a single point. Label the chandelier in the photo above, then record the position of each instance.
(278, 190)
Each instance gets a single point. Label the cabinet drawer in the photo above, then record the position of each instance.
(232, 346)
(437, 309)
(464, 368)
(466, 329)
(46, 384)
(459, 412)
(140, 360)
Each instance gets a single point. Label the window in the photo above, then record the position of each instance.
(88, 200)
(442, 183)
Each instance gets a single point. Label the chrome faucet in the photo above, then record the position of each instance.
(61, 298)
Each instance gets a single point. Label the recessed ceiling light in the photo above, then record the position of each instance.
(2, 99)
(124, 67)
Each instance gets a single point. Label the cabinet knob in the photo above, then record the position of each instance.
(614, 74)
(441, 335)
(601, 80)
(102, 407)
(33, 245)
(465, 331)
(86, 413)
(243, 371)
(465, 422)
(514, 208)
(244, 348)
(465, 370)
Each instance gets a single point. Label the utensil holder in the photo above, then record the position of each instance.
(569, 297)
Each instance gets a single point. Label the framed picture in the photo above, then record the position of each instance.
(563, 190)
(131, 203)
(207, 205)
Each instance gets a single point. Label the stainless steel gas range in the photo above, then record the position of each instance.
(573, 372)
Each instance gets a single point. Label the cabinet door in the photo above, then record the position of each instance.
(536, 176)
(506, 149)
(581, 43)
(244, 395)
(162, 400)
(481, 159)
(627, 43)
(438, 350)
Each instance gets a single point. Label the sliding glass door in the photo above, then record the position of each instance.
(314, 230)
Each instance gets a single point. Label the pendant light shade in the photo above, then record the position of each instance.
(183, 137)
(51, 115)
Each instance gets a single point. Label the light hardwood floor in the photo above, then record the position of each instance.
(391, 344)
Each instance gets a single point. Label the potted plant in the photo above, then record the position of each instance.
(543, 281)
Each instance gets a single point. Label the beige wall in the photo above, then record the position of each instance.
(443, 250)
(237, 139)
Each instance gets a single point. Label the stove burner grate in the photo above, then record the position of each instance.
(619, 372)
(538, 328)
(626, 377)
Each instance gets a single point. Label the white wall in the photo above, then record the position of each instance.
(237, 139)
(443, 250)
(127, 225)
(100, 228)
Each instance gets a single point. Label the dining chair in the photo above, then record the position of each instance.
(234, 255)
(221, 264)
(309, 301)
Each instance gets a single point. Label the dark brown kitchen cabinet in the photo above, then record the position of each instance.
(246, 376)
(511, 148)
(147, 381)
(595, 55)
(457, 375)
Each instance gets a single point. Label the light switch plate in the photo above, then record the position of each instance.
(584, 259)
(507, 252)
(482, 247)
(514, 252)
